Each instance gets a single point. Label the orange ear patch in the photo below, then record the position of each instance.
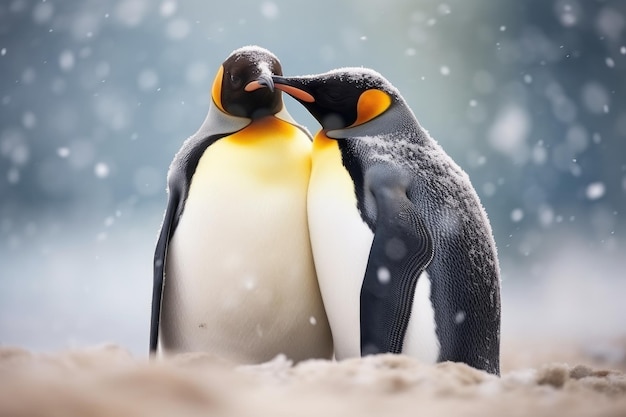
(371, 104)
(216, 90)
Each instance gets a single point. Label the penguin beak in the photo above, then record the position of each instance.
(264, 80)
(294, 88)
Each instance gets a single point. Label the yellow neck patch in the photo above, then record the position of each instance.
(216, 90)
(266, 131)
(371, 104)
(322, 142)
(268, 152)
(330, 182)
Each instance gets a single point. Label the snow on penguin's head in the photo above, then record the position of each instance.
(363, 78)
(254, 53)
(344, 97)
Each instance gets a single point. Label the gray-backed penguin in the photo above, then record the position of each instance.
(385, 205)
(233, 267)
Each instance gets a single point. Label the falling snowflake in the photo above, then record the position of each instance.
(269, 10)
(459, 317)
(444, 9)
(66, 60)
(595, 97)
(147, 80)
(29, 120)
(384, 276)
(178, 29)
(43, 12)
(13, 176)
(517, 215)
(167, 8)
(595, 190)
(101, 170)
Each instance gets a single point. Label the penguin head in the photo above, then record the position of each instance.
(237, 88)
(343, 99)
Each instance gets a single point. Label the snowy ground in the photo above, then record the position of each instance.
(109, 381)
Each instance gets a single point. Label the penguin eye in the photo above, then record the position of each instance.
(333, 94)
(235, 80)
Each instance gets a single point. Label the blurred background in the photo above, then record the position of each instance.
(529, 97)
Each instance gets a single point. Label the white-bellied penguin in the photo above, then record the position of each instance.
(385, 205)
(233, 267)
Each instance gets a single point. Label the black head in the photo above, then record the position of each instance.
(341, 98)
(237, 85)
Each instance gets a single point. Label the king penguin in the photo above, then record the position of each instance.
(404, 252)
(233, 267)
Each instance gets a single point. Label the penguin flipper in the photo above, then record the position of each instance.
(402, 248)
(160, 255)
(178, 179)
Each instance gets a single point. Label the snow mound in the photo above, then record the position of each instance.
(108, 381)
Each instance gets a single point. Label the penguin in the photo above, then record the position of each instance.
(233, 266)
(403, 248)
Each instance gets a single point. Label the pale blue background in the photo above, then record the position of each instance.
(97, 96)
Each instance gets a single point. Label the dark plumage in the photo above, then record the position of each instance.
(409, 189)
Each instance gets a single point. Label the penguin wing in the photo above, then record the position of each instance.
(178, 179)
(402, 248)
(160, 255)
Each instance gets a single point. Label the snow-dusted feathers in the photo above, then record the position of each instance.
(415, 198)
(253, 53)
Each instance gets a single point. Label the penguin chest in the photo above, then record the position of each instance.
(341, 243)
(240, 280)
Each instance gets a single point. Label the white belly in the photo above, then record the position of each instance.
(341, 244)
(420, 340)
(240, 280)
